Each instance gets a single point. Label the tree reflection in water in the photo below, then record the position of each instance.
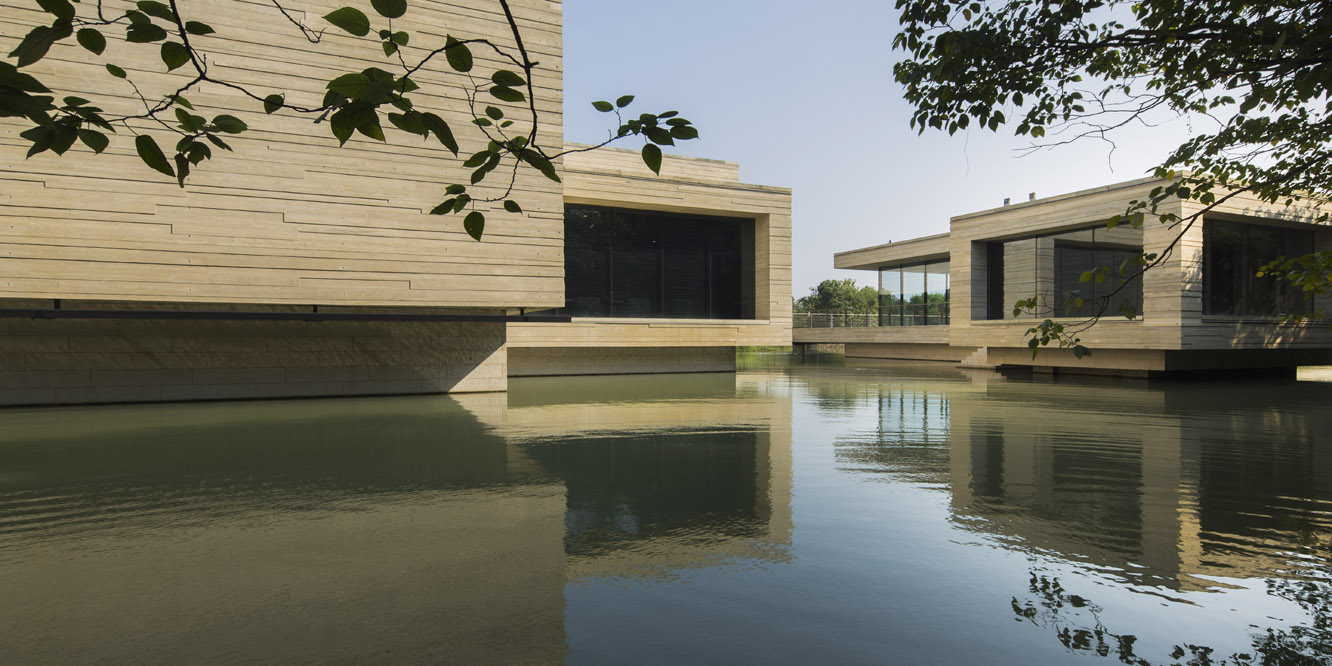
(1077, 624)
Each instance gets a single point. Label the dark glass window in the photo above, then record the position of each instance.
(1232, 254)
(994, 281)
(631, 263)
(1076, 298)
(1049, 269)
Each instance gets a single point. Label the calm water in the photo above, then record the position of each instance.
(817, 514)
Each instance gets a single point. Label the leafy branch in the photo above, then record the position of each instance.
(1059, 73)
(353, 103)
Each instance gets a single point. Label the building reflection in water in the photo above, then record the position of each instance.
(403, 530)
(1169, 488)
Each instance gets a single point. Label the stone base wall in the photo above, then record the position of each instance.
(544, 361)
(916, 352)
(80, 361)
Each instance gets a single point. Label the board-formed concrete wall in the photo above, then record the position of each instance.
(288, 222)
(289, 217)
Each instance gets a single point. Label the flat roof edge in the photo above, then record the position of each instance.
(1128, 184)
(892, 243)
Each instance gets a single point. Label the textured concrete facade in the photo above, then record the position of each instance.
(1171, 333)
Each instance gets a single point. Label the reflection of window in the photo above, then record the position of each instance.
(1050, 268)
(915, 295)
(627, 263)
(1232, 254)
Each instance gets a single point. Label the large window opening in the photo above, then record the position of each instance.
(914, 295)
(632, 263)
(1232, 254)
(1050, 269)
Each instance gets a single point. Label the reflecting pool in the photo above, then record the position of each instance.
(790, 513)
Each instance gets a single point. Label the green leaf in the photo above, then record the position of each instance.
(441, 131)
(477, 159)
(504, 77)
(91, 40)
(482, 122)
(341, 132)
(512, 206)
(188, 121)
(494, 113)
(213, 139)
(61, 9)
(39, 40)
(684, 132)
(174, 54)
(603, 106)
(659, 135)
(624, 101)
(461, 202)
(372, 128)
(480, 174)
(41, 137)
(401, 38)
(73, 101)
(273, 102)
(541, 164)
(156, 10)
(389, 48)
(455, 189)
(115, 71)
(354, 85)
(199, 152)
(445, 208)
(506, 94)
(143, 33)
(350, 19)
(152, 155)
(184, 102)
(182, 168)
(390, 8)
(62, 137)
(652, 158)
(475, 224)
(197, 28)
(409, 122)
(93, 139)
(229, 124)
(458, 55)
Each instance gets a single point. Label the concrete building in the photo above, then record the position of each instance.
(293, 267)
(664, 273)
(951, 296)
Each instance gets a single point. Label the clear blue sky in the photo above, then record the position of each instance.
(801, 94)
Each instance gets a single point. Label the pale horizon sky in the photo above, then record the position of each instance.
(801, 95)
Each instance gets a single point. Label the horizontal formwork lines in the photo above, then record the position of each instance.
(289, 217)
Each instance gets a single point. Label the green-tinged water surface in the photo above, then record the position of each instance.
(791, 513)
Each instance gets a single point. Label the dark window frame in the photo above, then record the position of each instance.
(1281, 298)
(644, 264)
(995, 310)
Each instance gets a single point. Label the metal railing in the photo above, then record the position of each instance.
(906, 314)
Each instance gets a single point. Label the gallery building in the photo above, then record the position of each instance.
(951, 296)
(295, 267)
